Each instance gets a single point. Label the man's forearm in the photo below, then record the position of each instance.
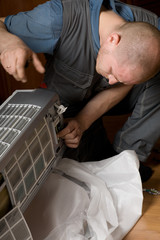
(6, 38)
(3, 34)
(101, 103)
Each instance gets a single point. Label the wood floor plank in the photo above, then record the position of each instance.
(148, 226)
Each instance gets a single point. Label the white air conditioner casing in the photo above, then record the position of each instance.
(29, 149)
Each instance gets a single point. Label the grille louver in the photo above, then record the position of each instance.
(13, 120)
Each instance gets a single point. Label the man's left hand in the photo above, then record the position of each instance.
(72, 133)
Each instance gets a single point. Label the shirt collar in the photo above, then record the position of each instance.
(120, 8)
(95, 6)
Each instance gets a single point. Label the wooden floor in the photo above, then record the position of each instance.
(148, 226)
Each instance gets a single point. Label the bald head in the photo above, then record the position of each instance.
(139, 46)
(130, 53)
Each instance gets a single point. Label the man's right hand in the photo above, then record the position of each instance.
(14, 59)
(14, 54)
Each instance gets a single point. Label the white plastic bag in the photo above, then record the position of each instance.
(93, 200)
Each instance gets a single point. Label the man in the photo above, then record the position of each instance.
(92, 43)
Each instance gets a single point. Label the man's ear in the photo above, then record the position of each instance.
(113, 39)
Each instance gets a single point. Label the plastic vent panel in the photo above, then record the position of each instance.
(13, 226)
(13, 120)
(29, 163)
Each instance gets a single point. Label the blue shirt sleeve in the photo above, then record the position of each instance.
(39, 28)
(124, 11)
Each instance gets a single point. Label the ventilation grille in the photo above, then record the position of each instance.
(13, 120)
(28, 164)
(13, 227)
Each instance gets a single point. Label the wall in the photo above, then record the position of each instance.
(152, 5)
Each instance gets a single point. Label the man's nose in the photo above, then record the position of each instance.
(112, 80)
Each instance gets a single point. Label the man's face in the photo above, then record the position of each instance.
(108, 67)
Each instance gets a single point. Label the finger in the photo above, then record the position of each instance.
(65, 131)
(37, 63)
(72, 135)
(8, 63)
(11, 69)
(72, 145)
(75, 140)
(20, 69)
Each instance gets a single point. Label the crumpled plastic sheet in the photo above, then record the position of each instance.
(88, 201)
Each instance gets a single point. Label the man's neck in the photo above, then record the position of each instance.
(108, 22)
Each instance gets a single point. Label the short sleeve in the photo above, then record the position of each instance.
(39, 28)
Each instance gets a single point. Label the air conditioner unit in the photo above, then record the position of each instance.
(29, 150)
